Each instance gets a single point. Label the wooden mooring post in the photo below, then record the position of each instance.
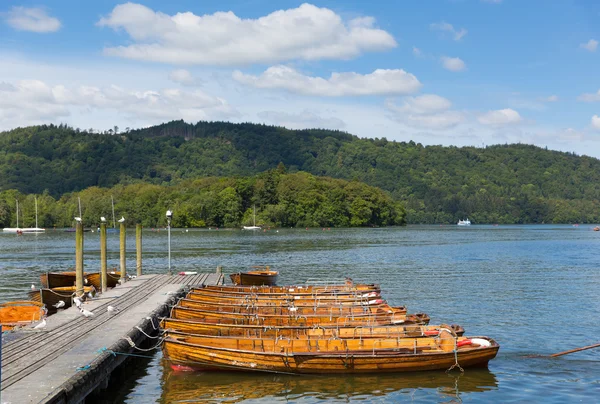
(138, 247)
(79, 258)
(103, 275)
(122, 231)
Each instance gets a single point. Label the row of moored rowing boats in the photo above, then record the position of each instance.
(346, 328)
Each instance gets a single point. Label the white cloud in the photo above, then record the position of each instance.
(33, 101)
(426, 111)
(424, 104)
(307, 33)
(596, 122)
(31, 19)
(417, 52)
(380, 82)
(500, 117)
(590, 45)
(453, 64)
(183, 77)
(551, 98)
(304, 120)
(590, 97)
(457, 34)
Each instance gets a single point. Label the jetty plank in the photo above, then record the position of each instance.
(72, 356)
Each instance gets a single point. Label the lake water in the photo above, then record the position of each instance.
(535, 289)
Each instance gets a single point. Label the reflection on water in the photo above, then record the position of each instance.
(226, 387)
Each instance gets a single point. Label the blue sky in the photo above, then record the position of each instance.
(452, 72)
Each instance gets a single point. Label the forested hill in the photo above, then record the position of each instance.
(496, 184)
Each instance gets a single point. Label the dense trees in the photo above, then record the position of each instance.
(498, 184)
(292, 200)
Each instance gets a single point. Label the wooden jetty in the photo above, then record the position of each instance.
(73, 355)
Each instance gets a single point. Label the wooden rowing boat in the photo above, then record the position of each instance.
(293, 289)
(384, 317)
(323, 356)
(112, 279)
(51, 280)
(19, 313)
(286, 293)
(363, 298)
(286, 310)
(375, 331)
(258, 278)
(50, 297)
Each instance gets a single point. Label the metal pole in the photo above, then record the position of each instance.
(138, 247)
(169, 242)
(103, 275)
(123, 241)
(79, 258)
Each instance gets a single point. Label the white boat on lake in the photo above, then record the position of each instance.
(464, 222)
(254, 226)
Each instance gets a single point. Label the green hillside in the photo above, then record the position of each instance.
(497, 184)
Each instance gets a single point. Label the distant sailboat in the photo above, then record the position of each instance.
(35, 229)
(464, 222)
(114, 229)
(254, 227)
(14, 229)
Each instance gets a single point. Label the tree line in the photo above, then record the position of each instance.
(281, 200)
(497, 184)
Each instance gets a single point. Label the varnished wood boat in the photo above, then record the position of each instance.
(384, 317)
(363, 298)
(293, 289)
(51, 280)
(112, 279)
(19, 313)
(376, 331)
(50, 297)
(323, 356)
(290, 293)
(292, 310)
(258, 278)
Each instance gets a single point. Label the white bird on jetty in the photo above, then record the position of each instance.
(121, 220)
(77, 302)
(41, 325)
(102, 219)
(89, 295)
(77, 218)
(32, 286)
(112, 309)
(86, 313)
(60, 304)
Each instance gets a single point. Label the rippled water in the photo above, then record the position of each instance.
(533, 288)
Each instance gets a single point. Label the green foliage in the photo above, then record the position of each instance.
(498, 184)
(298, 199)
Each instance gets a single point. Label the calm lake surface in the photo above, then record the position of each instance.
(535, 289)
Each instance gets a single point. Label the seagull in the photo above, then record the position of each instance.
(32, 286)
(86, 313)
(112, 309)
(102, 219)
(77, 302)
(77, 218)
(41, 325)
(60, 304)
(89, 295)
(121, 220)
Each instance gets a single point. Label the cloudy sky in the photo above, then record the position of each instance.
(460, 72)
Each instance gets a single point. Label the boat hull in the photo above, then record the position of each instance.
(20, 313)
(323, 356)
(255, 278)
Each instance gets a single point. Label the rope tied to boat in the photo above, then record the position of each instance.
(456, 365)
(132, 344)
(143, 332)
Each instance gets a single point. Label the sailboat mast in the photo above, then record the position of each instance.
(112, 202)
(36, 221)
(17, 213)
(254, 216)
(79, 201)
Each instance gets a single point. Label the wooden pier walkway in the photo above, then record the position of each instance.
(73, 355)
